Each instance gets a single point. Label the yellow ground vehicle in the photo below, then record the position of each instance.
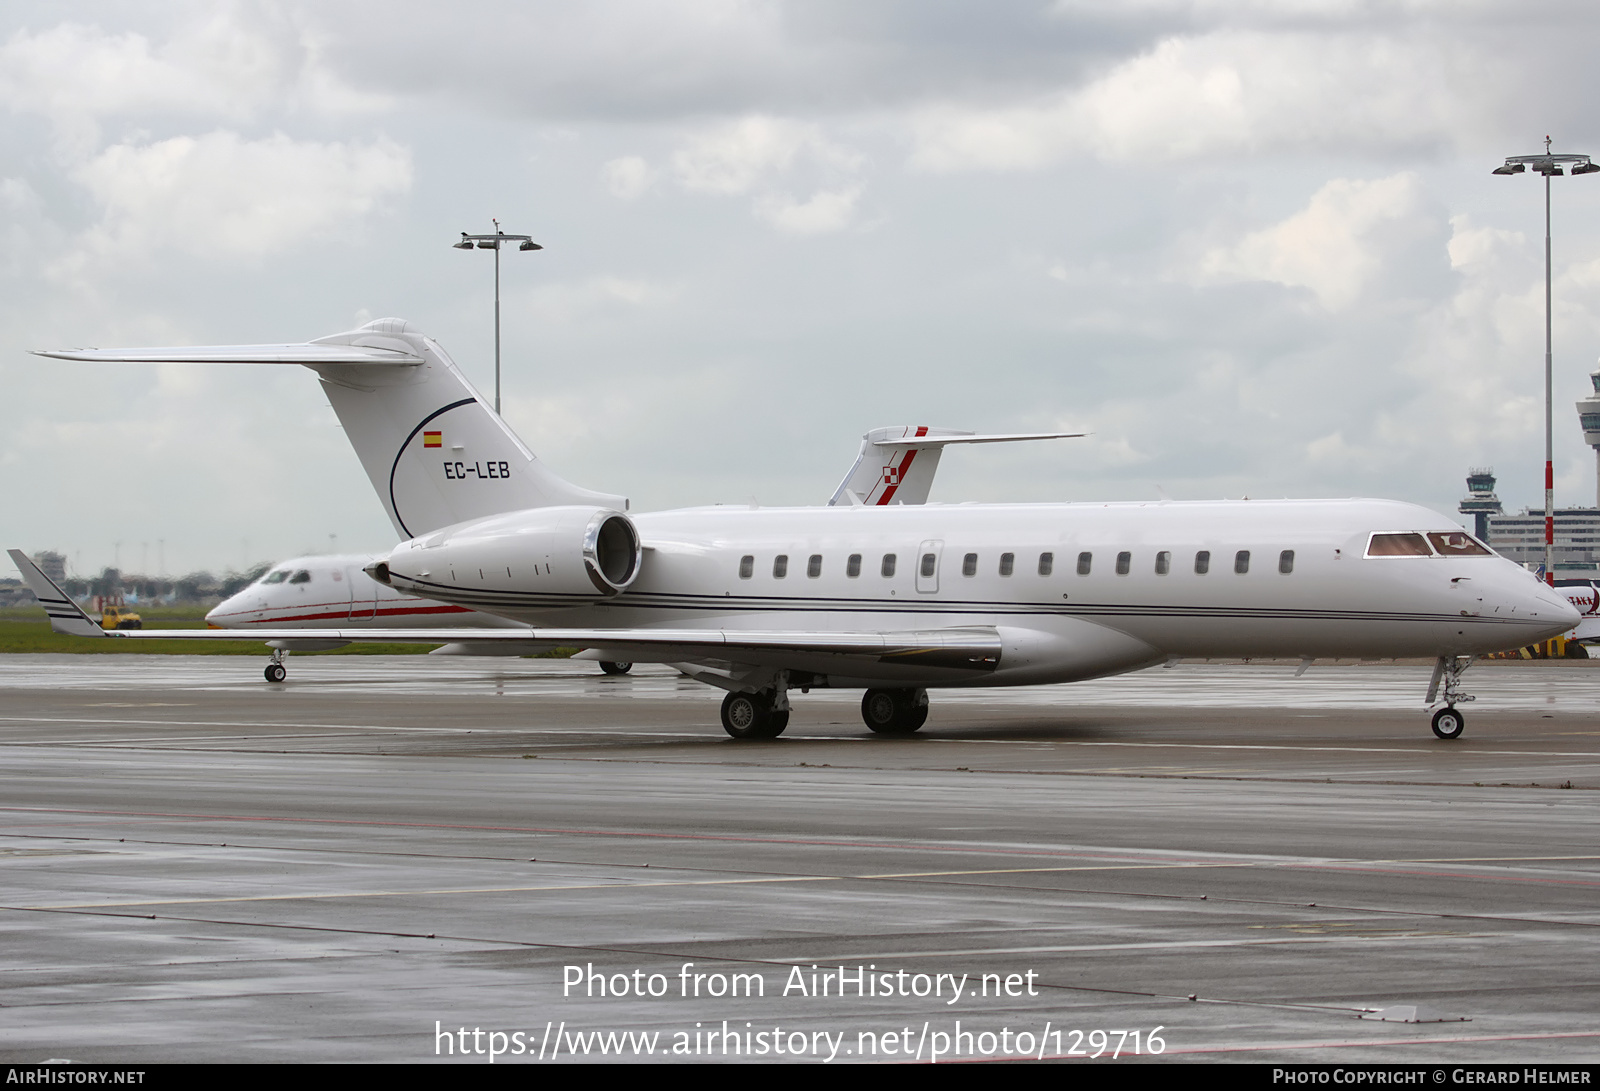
(119, 617)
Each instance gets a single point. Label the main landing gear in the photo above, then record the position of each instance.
(276, 671)
(615, 668)
(1448, 722)
(754, 715)
(765, 713)
(895, 711)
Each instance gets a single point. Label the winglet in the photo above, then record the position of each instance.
(65, 615)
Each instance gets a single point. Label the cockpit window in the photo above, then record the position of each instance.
(276, 577)
(1398, 545)
(1456, 543)
(301, 576)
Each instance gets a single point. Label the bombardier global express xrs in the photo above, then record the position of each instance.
(890, 599)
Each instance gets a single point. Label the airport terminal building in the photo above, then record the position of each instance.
(1520, 537)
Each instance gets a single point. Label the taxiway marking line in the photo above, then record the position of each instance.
(1132, 860)
(533, 732)
(618, 885)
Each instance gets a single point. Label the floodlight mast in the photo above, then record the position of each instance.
(495, 242)
(1549, 165)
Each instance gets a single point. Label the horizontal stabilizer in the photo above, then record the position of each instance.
(240, 354)
(896, 465)
(932, 440)
(436, 453)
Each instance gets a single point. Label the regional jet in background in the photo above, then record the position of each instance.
(892, 599)
(1584, 595)
(325, 591)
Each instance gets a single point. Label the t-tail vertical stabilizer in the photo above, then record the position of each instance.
(435, 451)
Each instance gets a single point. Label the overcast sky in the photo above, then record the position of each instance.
(1253, 246)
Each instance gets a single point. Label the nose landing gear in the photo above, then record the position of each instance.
(276, 672)
(1448, 722)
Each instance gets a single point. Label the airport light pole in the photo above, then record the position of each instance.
(495, 242)
(1550, 165)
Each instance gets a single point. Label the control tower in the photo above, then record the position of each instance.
(1589, 417)
(1481, 502)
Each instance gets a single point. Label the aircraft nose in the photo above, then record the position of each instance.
(228, 608)
(1551, 612)
(1561, 609)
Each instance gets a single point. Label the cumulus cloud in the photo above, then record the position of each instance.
(823, 211)
(222, 194)
(234, 64)
(1336, 246)
(771, 159)
(1230, 92)
(736, 157)
(628, 178)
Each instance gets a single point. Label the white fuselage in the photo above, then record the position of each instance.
(1055, 623)
(332, 592)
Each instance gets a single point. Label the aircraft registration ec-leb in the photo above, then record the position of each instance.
(892, 599)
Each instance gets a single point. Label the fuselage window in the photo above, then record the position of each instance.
(1084, 561)
(852, 567)
(1202, 562)
(929, 560)
(301, 576)
(969, 565)
(1457, 544)
(780, 566)
(747, 566)
(1241, 561)
(1163, 563)
(1286, 561)
(1007, 563)
(1047, 563)
(277, 577)
(1124, 562)
(888, 565)
(1398, 545)
(814, 566)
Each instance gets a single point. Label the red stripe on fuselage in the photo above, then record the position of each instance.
(345, 613)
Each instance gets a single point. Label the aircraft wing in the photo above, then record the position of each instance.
(975, 648)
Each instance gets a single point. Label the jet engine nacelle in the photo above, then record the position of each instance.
(556, 556)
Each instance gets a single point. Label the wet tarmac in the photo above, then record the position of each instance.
(385, 855)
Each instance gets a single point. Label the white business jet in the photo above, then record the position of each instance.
(892, 599)
(332, 591)
(895, 465)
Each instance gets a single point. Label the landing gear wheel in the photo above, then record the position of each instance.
(615, 668)
(275, 672)
(750, 716)
(1448, 723)
(894, 711)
